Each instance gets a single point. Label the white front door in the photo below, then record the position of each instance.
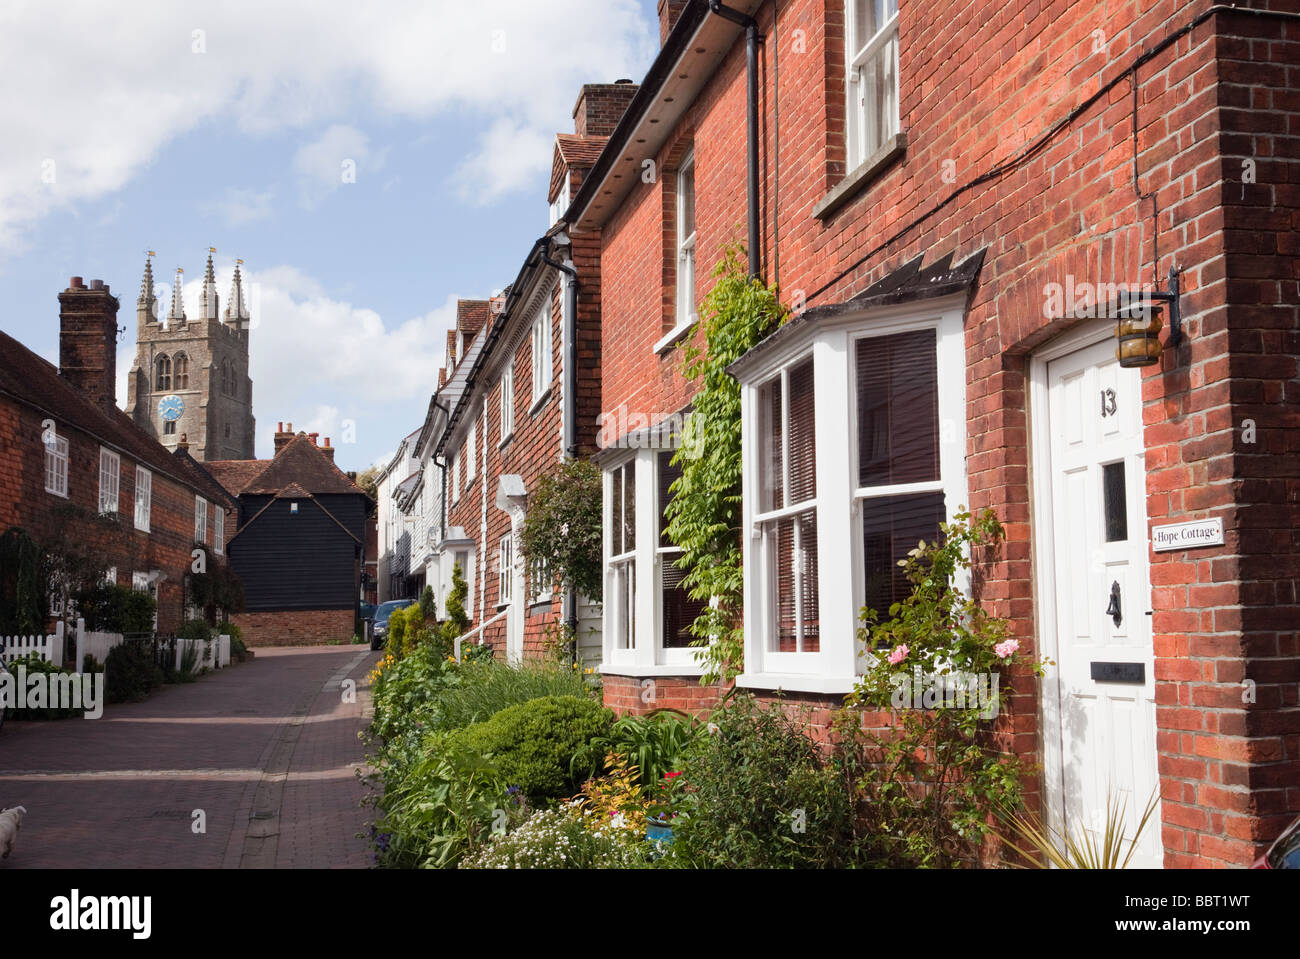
(1095, 594)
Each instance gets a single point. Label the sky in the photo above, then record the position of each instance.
(177, 126)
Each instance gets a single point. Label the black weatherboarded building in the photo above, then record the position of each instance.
(300, 543)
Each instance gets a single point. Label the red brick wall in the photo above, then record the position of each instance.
(302, 627)
(24, 502)
(973, 100)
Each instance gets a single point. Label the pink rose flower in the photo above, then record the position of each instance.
(1006, 648)
(898, 655)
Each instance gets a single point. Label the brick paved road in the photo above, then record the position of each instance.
(267, 749)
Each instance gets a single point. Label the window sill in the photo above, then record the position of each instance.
(505, 440)
(860, 178)
(657, 669)
(671, 338)
(539, 402)
(54, 492)
(798, 683)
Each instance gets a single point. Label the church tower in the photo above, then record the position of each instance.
(190, 375)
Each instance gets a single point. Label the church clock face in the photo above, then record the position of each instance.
(171, 407)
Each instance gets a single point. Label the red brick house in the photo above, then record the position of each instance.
(953, 201)
(524, 393)
(75, 467)
(299, 545)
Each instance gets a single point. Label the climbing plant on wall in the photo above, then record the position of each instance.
(705, 511)
(24, 584)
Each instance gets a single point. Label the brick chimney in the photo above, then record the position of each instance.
(670, 12)
(88, 339)
(327, 450)
(282, 436)
(600, 106)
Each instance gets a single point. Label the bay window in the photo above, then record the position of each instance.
(648, 612)
(851, 456)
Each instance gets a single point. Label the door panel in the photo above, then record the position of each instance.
(1104, 733)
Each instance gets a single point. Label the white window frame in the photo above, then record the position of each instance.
(561, 203)
(630, 608)
(471, 451)
(505, 570)
(542, 359)
(143, 497)
(110, 481)
(684, 314)
(763, 522)
(455, 477)
(110, 576)
(508, 401)
(539, 581)
(56, 465)
(833, 669)
(200, 520)
(218, 529)
(864, 133)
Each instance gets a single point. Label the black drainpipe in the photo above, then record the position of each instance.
(570, 437)
(751, 119)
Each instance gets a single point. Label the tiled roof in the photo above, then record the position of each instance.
(470, 316)
(299, 463)
(35, 382)
(579, 151)
(293, 491)
(234, 475)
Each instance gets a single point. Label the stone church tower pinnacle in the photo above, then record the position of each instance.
(191, 374)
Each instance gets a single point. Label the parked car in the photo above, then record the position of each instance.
(368, 611)
(1285, 851)
(382, 613)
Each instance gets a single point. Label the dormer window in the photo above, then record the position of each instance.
(561, 203)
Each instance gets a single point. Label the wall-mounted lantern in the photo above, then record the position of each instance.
(1138, 325)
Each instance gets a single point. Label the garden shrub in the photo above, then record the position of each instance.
(760, 797)
(195, 629)
(130, 672)
(533, 743)
(111, 608)
(562, 528)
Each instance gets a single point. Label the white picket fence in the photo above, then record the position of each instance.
(49, 648)
(94, 644)
(212, 653)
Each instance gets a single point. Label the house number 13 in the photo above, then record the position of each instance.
(1107, 403)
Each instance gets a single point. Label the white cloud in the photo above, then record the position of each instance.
(340, 156)
(237, 207)
(508, 155)
(106, 86)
